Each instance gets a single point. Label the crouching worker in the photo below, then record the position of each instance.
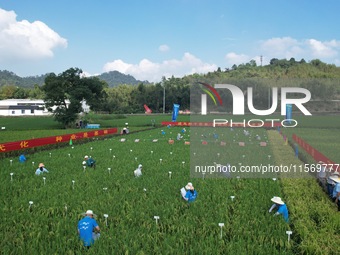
(189, 193)
(138, 171)
(88, 229)
(281, 207)
(90, 162)
(41, 169)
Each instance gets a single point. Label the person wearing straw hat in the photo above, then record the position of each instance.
(281, 208)
(41, 169)
(90, 162)
(331, 183)
(336, 194)
(138, 171)
(88, 229)
(189, 193)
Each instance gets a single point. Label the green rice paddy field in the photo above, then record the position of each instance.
(49, 224)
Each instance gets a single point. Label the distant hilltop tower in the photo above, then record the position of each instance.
(261, 59)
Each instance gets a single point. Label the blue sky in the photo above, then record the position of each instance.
(153, 38)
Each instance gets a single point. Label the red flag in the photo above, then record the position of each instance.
(147, 109)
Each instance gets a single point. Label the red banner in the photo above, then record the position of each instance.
(210, 124)
(318, 156)
(25, 144)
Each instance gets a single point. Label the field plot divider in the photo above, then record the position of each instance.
(317, 155)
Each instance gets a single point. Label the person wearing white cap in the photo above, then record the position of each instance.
(41, 169)
(89, 161)
(281, 208)
(138, 171)
(189, 193)
(88, 229)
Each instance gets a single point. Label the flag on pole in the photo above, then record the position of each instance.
(175, 112)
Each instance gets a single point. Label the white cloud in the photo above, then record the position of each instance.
(25, 40)
(153, 72)
(233, 58)
(287, 47)
(325, 49)
(163, 48)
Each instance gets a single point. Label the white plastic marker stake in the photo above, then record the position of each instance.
(130, 150)
(11, 176)
(289, 233)
(10, 161)
(84, 168)
(109, 169)
(44, 178)
(269, 156)
(218, 154)
(135, 158)
(106, 215)
(183, 162)
(170, 175)
(66, 208)
(72, 147)
(30, 204)
(221, 226)
(160, 161)
(50, 154)
(73, 184)
(156, 218)
(144, 189)
(91, 148)
(232, 198)
(151, 152)
(113, 156)
(194, 153)
(170, 152)
(69, 155)
(110, 150)
(33, 163)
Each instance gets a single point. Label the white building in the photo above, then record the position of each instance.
(23, 107)
(28, 107)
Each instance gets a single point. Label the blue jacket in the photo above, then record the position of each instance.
(191, 195)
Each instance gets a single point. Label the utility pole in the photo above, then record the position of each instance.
(163, 97)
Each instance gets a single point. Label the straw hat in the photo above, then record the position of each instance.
(89, 212)
(41, 165)
(189, 186)
(277, 200)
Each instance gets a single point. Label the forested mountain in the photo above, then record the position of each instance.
(113, 78)
(8, 78)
